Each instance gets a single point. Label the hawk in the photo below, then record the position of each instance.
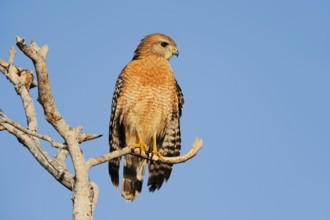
(146, 109)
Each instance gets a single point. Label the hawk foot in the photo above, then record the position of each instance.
(140, 145)
(155, 150)
(157, 153)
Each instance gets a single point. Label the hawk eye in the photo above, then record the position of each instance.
(164, 44)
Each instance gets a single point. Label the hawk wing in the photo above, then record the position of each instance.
(116, 132)
(133, 166)
(168, 146)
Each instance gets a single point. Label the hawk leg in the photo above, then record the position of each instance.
(154, 148)
(141, 145)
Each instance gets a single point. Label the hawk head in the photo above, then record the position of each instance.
(156, 45)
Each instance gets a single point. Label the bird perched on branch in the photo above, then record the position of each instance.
(145, 115)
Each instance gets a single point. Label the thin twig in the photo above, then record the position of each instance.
(12, 53)
(87, 137)
(82, 137)
(3, 67)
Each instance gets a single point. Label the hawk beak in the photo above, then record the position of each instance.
(175, 52)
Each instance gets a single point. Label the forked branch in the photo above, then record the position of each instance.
(6, 120)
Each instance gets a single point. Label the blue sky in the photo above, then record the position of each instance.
(255, 75)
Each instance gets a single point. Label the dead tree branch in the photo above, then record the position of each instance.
(197, 145)
(53, 166)
(81, 191)
(19, 81)
(5, 119)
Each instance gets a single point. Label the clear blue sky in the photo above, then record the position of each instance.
(256, 79)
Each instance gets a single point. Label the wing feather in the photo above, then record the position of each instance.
(116, 133)
(169, 146)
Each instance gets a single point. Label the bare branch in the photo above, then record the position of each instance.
(1, 121)
(9, 69)
(82, 137)
(62, 175)
(87, 137)
(15, 73)
(29, 137)
(3, 66)
(106, 157)
(197, 145)
(12, 53)
(46, 98)
(35, 134)
(81, 190)
(22, 84)
(60, 158)
(62, 154)
(12, 71)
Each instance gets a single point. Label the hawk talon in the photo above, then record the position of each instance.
(156, 153)
(155, 150)
(141, 145)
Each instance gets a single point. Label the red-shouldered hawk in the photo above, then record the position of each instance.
(146, 110)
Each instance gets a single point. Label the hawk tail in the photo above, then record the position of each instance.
(115, 141)
(134, 168)
(113, 167)
(170, 147)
